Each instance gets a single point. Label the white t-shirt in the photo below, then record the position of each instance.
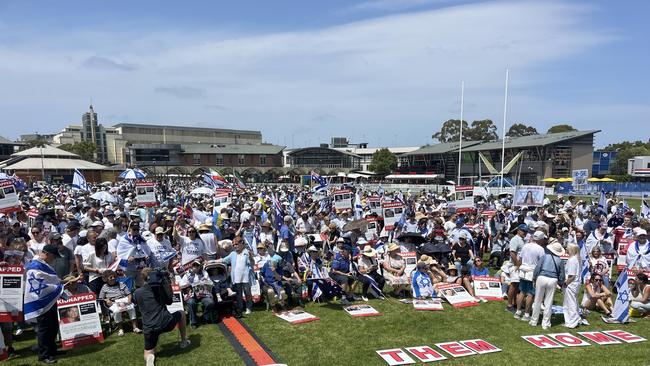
(69, 242)
(84, 251)
(210, 245)
(572, 267)
(112, 245)
(35, 246)
(190, 249)
(531, 253)
(241, 272)
(158, 249)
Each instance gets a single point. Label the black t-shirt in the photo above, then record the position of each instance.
(461, 252)
(152, 302)
(61, 264)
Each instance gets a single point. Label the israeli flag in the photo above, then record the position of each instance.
(584, 261)
(645, 209)
(621, 310)
(358, 208)
(43, 288)
(602, 202)
(79, 181)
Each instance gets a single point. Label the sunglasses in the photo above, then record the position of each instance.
(598, 280)
(36, 232)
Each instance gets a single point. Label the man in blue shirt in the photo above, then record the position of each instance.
(286, 232)
(342, 273)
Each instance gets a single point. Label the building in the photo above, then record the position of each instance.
(8, 147)
(603, 163)
(639, 166)
(326, 159)
(550, 155)
(366, 153)
(54, 165)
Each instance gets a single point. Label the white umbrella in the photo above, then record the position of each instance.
(451, 182)
(132, 174)
(5, 176)
(202, 190)
(104, 197)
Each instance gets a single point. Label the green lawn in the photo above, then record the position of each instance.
(338, 339)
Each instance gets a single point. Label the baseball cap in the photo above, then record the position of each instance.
(52, 249)
(539, 235)
(55, 236)
(641, 232)
(522, 227)
(160, 230)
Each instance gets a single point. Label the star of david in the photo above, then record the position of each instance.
(425, 281)
(623, 296)
(39, 284)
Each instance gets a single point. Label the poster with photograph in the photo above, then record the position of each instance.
(621, 260)
(11, 293)
(357, 311)
(8, 198)
(177, 303)
(463, 199)
(374, 203)
(146, 194)
(411, 260)
(391, 212)
(528, 196)
(488, 288)
(456, 295)
(79, 321)
(343, 199)
(428, 304)
(373, 227)
(296, 316)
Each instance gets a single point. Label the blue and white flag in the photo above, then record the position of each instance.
(18, 183)
(621, 310)
(584, 261)
(645, 208)
(42, 289)
(79, 181)
(380, 190)
(358, 208)
(602, 202)
(321, 182)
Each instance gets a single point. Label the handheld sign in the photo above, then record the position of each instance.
(343, 199)
(79, 321)
(374, 203)
(391, 212)
(488, 288)
(145, 193)
(528, 196)
(8, 198)
(177, 302)
(463, 199)
(11, 293)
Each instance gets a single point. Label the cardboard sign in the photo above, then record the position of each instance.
(79, 321)
(428, 304)
(343, 199)
(463, 199)
(480, 346)
(8, 198)
(569, 340)
(145, 193)
(600, 338)
(456, 295)
(11, 293)
(626, 337)
(411, 262)
(528, 196)
(395, 356)
(177, 302)
(488, 288)
(425, 354)
(373, 227)
(296, 316)
(542, 341)
(374, 203)
(357, 311)
(391, 212)
(621, 261)
(455, 349)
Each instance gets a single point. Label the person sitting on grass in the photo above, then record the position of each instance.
(201, 292)
(597, 296)
(421, 282)
(272, 283)
(395, 270)
(341, 272)
(369, 274)
(118, 299)
(641, 295)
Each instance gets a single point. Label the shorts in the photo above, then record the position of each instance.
(527, 287)
(151, 339)
(341, 279)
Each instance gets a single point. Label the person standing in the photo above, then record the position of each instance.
(548, 273)
(241, 263)
(572, 286)
(43, 288)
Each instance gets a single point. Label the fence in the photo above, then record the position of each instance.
(628, 189)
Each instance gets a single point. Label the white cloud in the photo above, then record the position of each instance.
(389, 75)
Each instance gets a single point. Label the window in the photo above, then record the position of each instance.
(197, 159)
(218, 159)
(262, 160)
(242, 159)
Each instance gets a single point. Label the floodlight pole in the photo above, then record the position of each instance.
(460, 138)
(503, 137)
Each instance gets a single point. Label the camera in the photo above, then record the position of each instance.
(158, 277)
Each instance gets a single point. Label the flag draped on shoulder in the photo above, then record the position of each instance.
(621, 310)
(43, 288)
(79, 181)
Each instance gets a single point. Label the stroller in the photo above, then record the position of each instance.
(438, 250)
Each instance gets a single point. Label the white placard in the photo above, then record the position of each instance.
(395, 357)
(456, 295)
(362, 310)
(391, 212)
(177, 302)
(8, 198)
(374, 203)
(528, 196)
(488, 288)
(79, 321)
(342, 199)
(145, 193)
(11, 293)
(428, 304)
(296, 316)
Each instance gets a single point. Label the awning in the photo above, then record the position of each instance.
(412, 176)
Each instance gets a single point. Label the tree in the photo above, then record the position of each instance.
(383, 162)
(561, 128)
(626, 150)
(520, 129)
(450, 131)
(85, 149)
(483, 130)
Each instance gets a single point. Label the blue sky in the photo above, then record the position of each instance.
(387, 72)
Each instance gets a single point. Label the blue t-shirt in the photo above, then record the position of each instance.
(285, 233)
(341, 264)
(476, 272)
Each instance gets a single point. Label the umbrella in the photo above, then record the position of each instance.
(361, 225)
(202, 190)
(104, 197)
(607, 180)
(415, 238)
(565, 179)
(550, 180)
(132, 174)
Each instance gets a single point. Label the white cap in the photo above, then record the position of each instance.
(539, 235)
(641, 232)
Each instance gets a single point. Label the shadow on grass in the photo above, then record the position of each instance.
(172, 349)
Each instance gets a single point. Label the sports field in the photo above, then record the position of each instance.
(338, 339)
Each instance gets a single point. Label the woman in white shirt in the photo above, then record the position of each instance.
(96, 263)
(572, 286)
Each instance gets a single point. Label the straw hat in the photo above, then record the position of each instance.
(451, 266)
(369, 252)
(393, 247)
(204, 227)
(70, 278)
(266, 223)
(261, 245)
(426, 259)
(555, 248)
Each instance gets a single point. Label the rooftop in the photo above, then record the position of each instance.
(46, 151)
(532, 140)
(204, 129)
(441, 148)
(231, 149)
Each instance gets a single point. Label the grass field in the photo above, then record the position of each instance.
(338, 339)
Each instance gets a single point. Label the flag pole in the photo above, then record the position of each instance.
(503, 137)
(460, 138)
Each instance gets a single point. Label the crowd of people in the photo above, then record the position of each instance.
(286, 245)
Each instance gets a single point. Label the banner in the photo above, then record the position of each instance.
(11, 293)
(488, 288)
(8, 198)
(391, 212)
(145, 193)
(342, 199)
(528, 196)
(361, 311)
(580, 179)
(177, 302)
(79, 321)
(296, 316)
(428, 304)
(456, 295)
(374, 203)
